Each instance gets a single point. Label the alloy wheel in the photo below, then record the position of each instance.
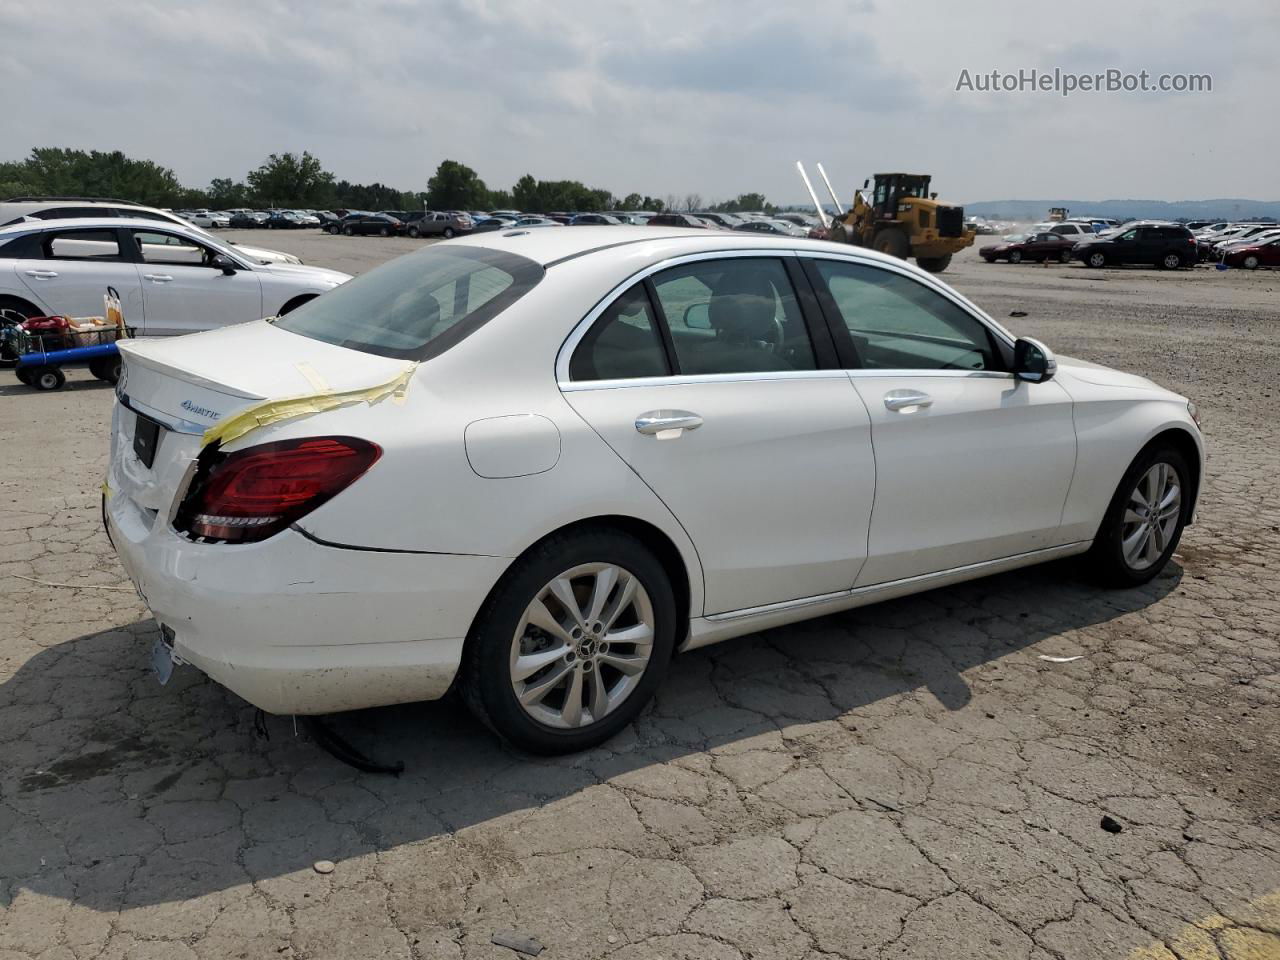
(582, 645)
(1151, 516)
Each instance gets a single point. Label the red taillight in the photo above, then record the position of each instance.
(254, 493)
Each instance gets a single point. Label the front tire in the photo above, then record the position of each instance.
(335, 230)
(1145, 519)
(348, 232)
(1250, 262)
(934, 264)
(893, 242)
(572, 642)
(413, 232)
(1096, 260)
(1015, 256)
(47, 378)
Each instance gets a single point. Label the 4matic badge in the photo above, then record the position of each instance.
(200, 411)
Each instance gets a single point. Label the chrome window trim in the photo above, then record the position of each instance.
(580, 329)
(578, 386)
(859, 373)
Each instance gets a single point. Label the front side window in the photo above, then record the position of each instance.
(81, 245)
(733, 316)
(623, 343)
(419, 305)
(897, 323)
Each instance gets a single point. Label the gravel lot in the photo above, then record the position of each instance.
(903, 781)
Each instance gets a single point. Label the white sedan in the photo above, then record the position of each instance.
(171, 279)
(534, 464)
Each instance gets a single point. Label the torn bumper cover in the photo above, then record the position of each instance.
(294, 626)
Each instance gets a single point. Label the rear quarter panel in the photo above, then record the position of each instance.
(424, 494)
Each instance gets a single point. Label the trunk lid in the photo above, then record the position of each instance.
(192, 383)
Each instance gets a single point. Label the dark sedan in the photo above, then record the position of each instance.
(783, 228)
(248, 220)
(679, 220)
(366, 224)
(489, 224)
(594, 220)
(1029, 246)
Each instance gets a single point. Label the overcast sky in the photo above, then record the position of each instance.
(716, 97)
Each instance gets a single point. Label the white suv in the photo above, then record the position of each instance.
(63, 208)
(171, 278)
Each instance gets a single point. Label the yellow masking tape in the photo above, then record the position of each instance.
(106, 489)
(318, 383)
(290, 408)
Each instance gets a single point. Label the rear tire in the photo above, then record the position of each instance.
(1171, 261)
(934, 264)
(448, 233)
(555, 716)
(1064, 256)
(106, 368)
(384, 232)
(893, 242)
(1117, 558)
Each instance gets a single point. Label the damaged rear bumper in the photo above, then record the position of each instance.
(295, 626)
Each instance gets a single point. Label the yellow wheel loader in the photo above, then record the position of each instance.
(900, 217)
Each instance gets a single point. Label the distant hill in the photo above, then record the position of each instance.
(1224, 209)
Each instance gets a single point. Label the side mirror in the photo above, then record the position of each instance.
(697, 316)
(1033, 361)
(224, 263)
(865, 184)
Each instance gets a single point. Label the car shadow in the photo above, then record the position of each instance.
(14, 387)
(117, 793)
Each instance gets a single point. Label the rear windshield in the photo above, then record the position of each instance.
(419, 305)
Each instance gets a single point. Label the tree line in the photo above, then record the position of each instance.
(300, 180)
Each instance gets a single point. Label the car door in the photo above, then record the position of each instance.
(182, 292)
(705, 379)
(68, 272)
(971, 464)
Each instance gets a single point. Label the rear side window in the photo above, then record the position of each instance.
(419, 305)
(80, 245)
(734, 316)
(624, 342)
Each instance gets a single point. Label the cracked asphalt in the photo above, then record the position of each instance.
(908, 780)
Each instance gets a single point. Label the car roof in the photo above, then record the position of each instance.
(101, 223)
(549, 247)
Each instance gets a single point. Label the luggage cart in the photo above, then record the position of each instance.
(39, 347)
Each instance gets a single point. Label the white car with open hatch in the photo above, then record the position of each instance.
(537, 463)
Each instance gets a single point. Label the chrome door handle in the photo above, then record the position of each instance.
(157, 277)
(42, 274)
(655, 423)
(901, 399)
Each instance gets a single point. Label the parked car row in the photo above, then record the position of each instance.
(1151, 242)
(452, 223)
